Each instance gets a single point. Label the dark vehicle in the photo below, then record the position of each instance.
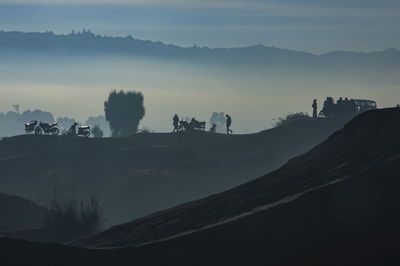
(47, 128)
(346, 107)
(365, 105)
(83, 131)
(31, 126)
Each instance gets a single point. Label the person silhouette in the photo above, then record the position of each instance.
(175, 123)
(228, 124)
(72, 129)
(314, 106)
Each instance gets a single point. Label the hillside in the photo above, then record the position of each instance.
(15, 44)
(366, 144)
(138, 175)
(19, 214)
(334, 205)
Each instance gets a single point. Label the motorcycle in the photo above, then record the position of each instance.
(82, 131)
(31, 127)
(184, 125)
(192, 125)
(197, 125)
(47, 129)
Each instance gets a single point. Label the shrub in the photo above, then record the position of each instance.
(72, 219)
(290, 118)
(145, 131)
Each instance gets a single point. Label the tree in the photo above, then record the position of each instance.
(123, 111)
(292, 117)
(72, 219)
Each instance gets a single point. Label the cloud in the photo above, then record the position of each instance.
(238, 27)
(311, 25)
(141, 2)
(245, 8)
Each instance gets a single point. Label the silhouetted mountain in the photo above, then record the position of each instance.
(19, 214)
(87, 43)
(335, 205)
(138, 175)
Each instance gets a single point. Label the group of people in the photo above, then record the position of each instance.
(343, 107)
(200, 125)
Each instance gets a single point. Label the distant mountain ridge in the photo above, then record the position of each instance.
(88, 43)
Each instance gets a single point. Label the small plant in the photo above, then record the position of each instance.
(291, 118)
(72, 219)
(144, 131)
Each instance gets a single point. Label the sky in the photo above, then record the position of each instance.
(78, 89)
(309, 25)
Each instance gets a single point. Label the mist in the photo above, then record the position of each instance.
(78, 86)
(211, 132)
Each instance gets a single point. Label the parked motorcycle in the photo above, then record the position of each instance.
(184, 125)
(47, 128)
(82, 131)
(31, 126)
(197, 125)
(192, 125)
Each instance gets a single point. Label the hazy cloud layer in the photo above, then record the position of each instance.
(310, 25)
(314, 26)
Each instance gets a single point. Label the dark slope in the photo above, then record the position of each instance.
(365, 144)
(19, 214)
(354, 222)
(145, 173)
(351, 222)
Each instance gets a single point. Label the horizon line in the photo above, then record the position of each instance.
(88, 31)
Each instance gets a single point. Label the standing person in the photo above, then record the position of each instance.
(72, 129)
(175, 123)
(228, 124)
(314, 107)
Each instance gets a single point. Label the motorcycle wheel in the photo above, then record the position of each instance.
(38, 131)
(55, 131)
(86, 134)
